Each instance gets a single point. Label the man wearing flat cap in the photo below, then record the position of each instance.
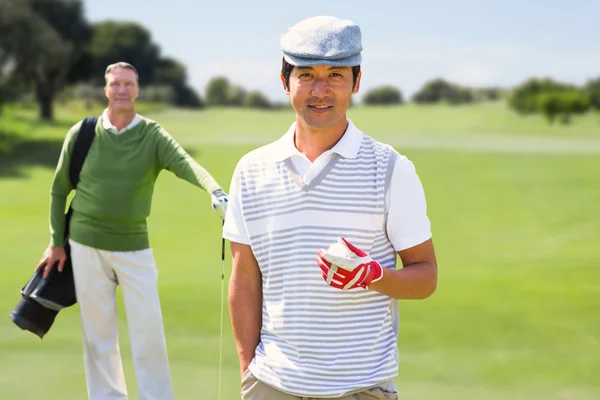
(315, 221)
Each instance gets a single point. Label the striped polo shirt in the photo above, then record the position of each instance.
(316, 340)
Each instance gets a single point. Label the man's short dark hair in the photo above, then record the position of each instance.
(286, 71)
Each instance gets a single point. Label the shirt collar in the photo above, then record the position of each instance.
(106, 124)
(346, 147)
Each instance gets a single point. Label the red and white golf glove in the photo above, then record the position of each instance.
(355, 269)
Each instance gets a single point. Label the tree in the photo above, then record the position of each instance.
(173, 73)
(6, 89)
(439, 90)
(574, 102)
(550, 105)
(185, 96)
(217, 91)
(43, 40)
(383, 95)
(131, 42)
(592, 88)
(89, 94)
(170, 72)
(553, 99)
(236, 95)
(460, 95)
(157, 94)
(255, 99)
(563, 103)
(123, 41)
(485, 93)
(67, 18)
(524, 98)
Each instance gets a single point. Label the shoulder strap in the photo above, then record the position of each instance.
(82, 145)
(83, 142)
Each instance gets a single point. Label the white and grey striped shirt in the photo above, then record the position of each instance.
(316, 340)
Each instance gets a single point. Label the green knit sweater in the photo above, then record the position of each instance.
(114, 194)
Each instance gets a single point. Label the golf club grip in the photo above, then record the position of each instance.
(222, 245)
(223, 249)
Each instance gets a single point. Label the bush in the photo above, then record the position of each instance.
(592, 89)
(524, 98)
(256, 99)
(235, 95)
(11, 90)
(157, 94)
(220, 92)
(217, 91)
(460, 96)
(87, 93)
(383, 95)
(439, 90)
(485, 93)
(564, 104)
(185, 96)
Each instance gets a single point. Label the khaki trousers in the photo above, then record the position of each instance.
(253, 389)
(97, 274)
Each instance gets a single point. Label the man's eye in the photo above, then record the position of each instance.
(305, 75)
(337, 74)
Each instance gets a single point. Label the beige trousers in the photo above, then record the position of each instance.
(97, 274)
(253, 389)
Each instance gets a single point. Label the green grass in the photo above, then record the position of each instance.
(437, 121)
(516, 311)
(481, 121)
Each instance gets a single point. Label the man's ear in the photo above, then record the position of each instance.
(357, 84)
(285, 88)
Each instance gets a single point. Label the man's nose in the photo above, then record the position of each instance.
(320, 88)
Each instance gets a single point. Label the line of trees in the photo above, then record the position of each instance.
(555, 100)
(434, 91)
(48, 48)
(221, 92)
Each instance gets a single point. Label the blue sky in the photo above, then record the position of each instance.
(405, 43)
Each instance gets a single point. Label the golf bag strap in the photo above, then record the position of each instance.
(83, 142)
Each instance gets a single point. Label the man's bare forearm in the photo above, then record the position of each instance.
(245, 303)
(416, 280)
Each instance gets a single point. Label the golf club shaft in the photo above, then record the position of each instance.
(221, 323)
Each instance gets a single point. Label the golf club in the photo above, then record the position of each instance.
(222, 301)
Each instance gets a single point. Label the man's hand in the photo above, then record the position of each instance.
(219, 202)
(355, 270)
(244, 367)
(50, 257)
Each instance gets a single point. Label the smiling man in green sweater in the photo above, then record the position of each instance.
(109, 238)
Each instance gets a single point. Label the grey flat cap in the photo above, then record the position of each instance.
(322, 41)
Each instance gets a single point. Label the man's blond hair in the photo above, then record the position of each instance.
(120, 64)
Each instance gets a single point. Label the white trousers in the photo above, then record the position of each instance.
(97, 274)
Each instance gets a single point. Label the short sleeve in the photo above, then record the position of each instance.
(407, 222)
(234, 228)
